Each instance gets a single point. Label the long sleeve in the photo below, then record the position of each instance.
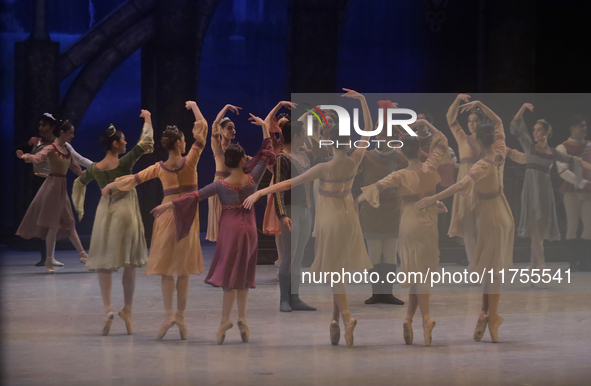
(79, 192)
(519, 130)
(565, 172)
(81, 160)
(458, 133)
(265, 156)
(38, 157)
(438, 152)
(574, 164)
(499, 146)
(516, 156)
(129, 182)
(144, 146)
(197, 148)
(282, 173)
(75, 166)
(186, 207)
(372, 192)
(477, 172)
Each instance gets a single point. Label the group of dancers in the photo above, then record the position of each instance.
(311, 195)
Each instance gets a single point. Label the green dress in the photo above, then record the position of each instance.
(118, 238)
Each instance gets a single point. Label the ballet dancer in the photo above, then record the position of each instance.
(419, 235)
(118, 238)
(170, 257)
(50, 217)
(577, 196)
(538, 207)
(339, 240)
(234, 262)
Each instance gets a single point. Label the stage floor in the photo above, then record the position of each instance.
(51, 336)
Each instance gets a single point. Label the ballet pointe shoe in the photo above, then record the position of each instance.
(180, 321)
(480, 327)
(244, 331)
(107, 323)
(493, 328)
(56, 263)
(221, 335)
(164, 328)
(407, 331)
(427, 329)
(83, 257)
(349, 332)
(335, 333)
(128, 321)
(49, 266)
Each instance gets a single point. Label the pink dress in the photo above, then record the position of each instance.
(51, 207)
(235, 258)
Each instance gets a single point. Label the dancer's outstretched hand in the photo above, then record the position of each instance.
(464, 97)
(145, 113)
(190, 104)
(352, 94)
(33, 141)
(233, 109)
(250, 200)
(468, 106)
(19, 154)
(160, 209)
(425, 202)
(441, 208)
(288, 105)
(256, 120)
(529, 106)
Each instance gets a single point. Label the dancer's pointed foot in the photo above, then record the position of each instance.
(107, 323)
(221, 335)
(480, 327)
(83, 257)
(493, 327)
(335, 333)
(349, 331)
(407, 331)
(244, 330)
(168, 323)
(56, 263)
(48, 266)
(298, 304)
(180, 321)
(126, 316)
(427, 328)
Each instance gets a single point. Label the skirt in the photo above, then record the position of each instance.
(118, 238)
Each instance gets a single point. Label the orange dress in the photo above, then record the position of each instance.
(496, 227)
(418, 243)
(167, 255)
(469, 150)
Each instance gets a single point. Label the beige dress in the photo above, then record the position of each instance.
(469, 150)
(51, 207)
(418, 243)
(496, 228)
(167, 255)
(339, 240)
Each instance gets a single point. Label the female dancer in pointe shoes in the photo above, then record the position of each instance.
(50, 216)
(168, 257)
(538, 206)
(494, 246)
(463, 218)
(419, 237)
(339, 239)
(234, 263)
(118, 232)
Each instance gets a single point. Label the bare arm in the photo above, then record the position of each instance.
(276, 109)
(520, 112)
(359, 152)
(452, 112)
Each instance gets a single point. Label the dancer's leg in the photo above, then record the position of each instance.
(182, 291)
(50, 240)
(470, 231)
(494, 320)
(413, 303)
(585, 214)
(374, 250)
(225, 323)
(537, 245)
(302, 229)
(73, 235)
(168, 297)
(106, 283)
(389, 252)
(242, 299)
(279, 246)
(422, 293)
(285, 268)
(128, 282)
(572, 206)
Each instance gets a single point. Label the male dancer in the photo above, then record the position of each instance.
(577, 199)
